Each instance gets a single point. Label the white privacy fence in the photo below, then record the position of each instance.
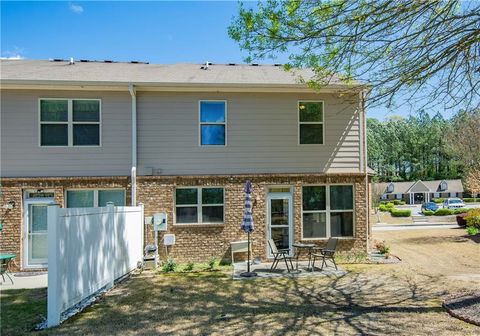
(88, 248)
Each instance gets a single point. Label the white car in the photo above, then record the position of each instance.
(453, 203)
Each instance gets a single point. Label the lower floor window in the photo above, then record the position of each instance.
(86, 198)
(327, 211)
(199, 205)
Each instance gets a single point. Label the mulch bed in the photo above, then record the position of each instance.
(464, 306)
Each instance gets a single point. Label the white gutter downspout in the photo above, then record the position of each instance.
(133, 93)
(363, 114)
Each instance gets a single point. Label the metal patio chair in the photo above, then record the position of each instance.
(326, 253)
(282, 254)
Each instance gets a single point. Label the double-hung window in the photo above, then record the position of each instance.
(213, 123)
(70, 122)
(86, 198)
(199, 205)
(310, 122)
(327, 211)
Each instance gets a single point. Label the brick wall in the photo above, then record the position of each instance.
(193, 243)
(199, 243)
(13, 189)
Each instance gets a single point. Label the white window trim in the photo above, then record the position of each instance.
(199, 206)
(310, 122)
(328, 211)
(95, 194)
(200, 123)
(70, 123)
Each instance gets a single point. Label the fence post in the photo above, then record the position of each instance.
(53, 291)
(142, 225)
(113, 239)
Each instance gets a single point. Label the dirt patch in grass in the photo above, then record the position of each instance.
(21, 310)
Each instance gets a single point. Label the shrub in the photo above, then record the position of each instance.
(469, 200)
(396, 202)
(443, 212)
(401, 213)
(438, 200)
(461, 219)
(382, 247)
(189, 267)
(473, 218)
(389, 205)
(472, 231)
(403, 202)
(382, 207)
(211, 264)
(169, 266)
(428, 212)
(460, 211)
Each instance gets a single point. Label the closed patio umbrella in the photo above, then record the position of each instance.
(247, 224)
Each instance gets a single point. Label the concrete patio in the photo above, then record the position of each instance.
(303, 271)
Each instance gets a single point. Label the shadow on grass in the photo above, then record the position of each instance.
(22, 310)
(207, 304)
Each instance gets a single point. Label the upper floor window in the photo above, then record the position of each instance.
(70, 122)
(310, 122)
(199, 205)
(87, 198)
(213, 119)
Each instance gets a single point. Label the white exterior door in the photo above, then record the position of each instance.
(35, 233)
(280, 219)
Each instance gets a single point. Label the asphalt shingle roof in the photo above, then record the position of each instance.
(434, 186)
(118, 72)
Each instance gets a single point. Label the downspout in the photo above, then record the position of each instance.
(133, 94)
(363, 97)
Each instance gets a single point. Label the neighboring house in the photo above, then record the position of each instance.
(417, 192)
(182, 139)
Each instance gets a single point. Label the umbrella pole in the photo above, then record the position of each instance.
(248, 274)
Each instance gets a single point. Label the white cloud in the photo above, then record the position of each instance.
(77, 9)
(15, 54)
(15, 57)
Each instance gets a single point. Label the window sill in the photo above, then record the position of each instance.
(198, 225)
(326, 238)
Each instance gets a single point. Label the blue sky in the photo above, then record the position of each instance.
(157, 32)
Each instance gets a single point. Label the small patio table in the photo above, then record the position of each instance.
(5, 260)
(308, 247)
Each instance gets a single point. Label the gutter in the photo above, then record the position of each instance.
(133, 94)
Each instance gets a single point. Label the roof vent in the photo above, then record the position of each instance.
(254, 64)
(134, 62)
(277, 64)
(84, 60)
(57, 60)
(72, 62)
(107, 61)
(205, 67)
(231, 64)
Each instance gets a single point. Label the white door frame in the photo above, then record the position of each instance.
(26, 215)
(289, 197)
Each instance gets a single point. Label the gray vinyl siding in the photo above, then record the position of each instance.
(262, 135)
(21, 155)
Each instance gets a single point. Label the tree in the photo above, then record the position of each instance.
(427, 51)
(464, 138)
(376, 193)
(472, 182)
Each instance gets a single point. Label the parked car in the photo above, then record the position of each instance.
(432, 206)
(453, 203)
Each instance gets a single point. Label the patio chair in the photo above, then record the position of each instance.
(278, 255)
(326, 253)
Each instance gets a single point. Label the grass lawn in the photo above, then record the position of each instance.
(401, 299)
(22, 309)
